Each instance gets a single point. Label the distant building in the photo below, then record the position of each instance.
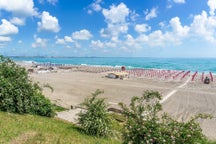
(117, 75)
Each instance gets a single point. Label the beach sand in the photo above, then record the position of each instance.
(72, 87)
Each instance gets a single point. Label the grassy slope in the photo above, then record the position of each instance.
(35, 129)
(29, 129)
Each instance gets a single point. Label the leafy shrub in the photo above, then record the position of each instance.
(18, 94)
(95, 119)
(143, 125)
(183, 132)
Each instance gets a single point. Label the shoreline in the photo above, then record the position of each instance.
(108, 67)
(186, 64)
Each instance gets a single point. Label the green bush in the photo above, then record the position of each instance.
(95, 119)
(143, 125)
(18, 94)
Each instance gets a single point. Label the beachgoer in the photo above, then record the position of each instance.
(206, 80)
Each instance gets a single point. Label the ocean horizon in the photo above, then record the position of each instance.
(190, 64)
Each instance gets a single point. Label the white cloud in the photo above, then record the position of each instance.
(141, 28)
(82, 35)
(68, 39)
(171, 33)
(116, 21)
(48, 23)
(97, 44)
(115, 39)
(53, 2)
(39, 42)
(162, 25)
(6, 28)
(68, 46)
(95, 6)
(212, 6)
(116, 14)
(133, 15)
(110, 44)
(154, 39)
(142, 38)
(130, 41)
(19, 7)
(5, 39)
(151, 14)
(105, 32)
(178, 29)
(114, 30)
(158, 38)
(77, 45)
(170, 3)
(18, 21)
(63, 41)
(60, 41)
(89, 11)
(179, 1)
(20, 41)
(204, 26)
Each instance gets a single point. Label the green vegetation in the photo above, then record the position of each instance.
(143, 125)
(32, 129)
(211, 142)
(20, 95)
(59, 108)
(95, 119)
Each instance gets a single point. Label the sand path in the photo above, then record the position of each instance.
(175, 90)
(69, 115)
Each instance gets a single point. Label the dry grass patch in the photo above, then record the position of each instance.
(23, 138)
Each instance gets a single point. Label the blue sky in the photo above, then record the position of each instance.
(110, 28)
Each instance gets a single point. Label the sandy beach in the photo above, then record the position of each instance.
(182, 98)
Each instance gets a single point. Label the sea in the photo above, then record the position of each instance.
(190, 64)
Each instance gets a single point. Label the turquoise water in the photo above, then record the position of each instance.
(192, 64)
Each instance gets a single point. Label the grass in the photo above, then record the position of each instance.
(31, 129)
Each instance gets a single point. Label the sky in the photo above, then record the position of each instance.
(108, 28)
